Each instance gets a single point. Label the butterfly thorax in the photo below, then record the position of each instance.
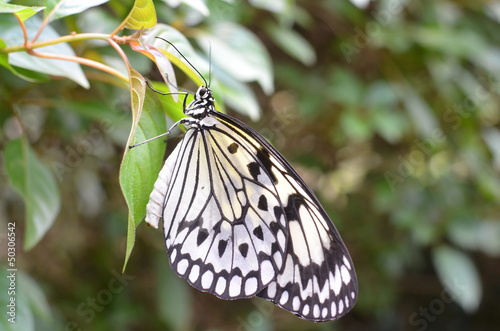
(202, 105)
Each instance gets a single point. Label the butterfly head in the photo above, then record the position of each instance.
(202, 104)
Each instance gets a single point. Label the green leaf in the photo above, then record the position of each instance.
(130, 239)
(293, 43)
(13, 36)
(37, 185)
(142, 15)
(140, 166)
(240, 53)
(57, 9)
(457, 272)
(23, 12)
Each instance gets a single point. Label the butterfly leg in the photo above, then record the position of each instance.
(185, 120)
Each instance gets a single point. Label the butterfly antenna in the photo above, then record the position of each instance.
(209, 64)
(176, 87)
(182, 55)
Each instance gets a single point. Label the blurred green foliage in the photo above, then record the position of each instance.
(389, 109)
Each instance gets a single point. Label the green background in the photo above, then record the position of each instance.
(388, 109)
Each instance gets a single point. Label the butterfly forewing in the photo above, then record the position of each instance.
(240, 222)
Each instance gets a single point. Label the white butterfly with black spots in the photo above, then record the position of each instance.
(240, 222)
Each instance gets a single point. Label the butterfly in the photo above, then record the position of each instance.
(239, 221)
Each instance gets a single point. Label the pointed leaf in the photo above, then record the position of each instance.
(141, 165)
(37, 185)
(130, 240)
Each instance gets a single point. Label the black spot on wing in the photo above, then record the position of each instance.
(202, 235)
(254, 169)
(258, 232)
(222, 247)
(262, 204)
(233, 148)
(243, 248)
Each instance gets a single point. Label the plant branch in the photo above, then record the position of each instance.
(80, 60)
(23, 28)
(30, 46)
(63, 39)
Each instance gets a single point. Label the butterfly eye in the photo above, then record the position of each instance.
(202, 92)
